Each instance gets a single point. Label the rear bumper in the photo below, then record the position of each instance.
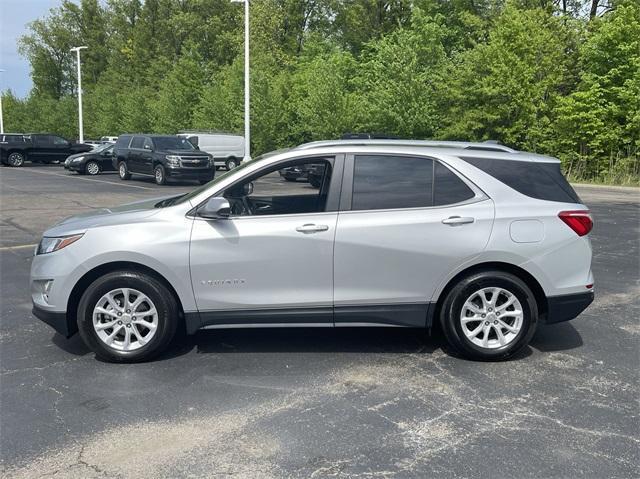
(567, 306)
(57, 320)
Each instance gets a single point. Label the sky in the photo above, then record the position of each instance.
(14, 17)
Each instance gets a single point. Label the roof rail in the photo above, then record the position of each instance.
(208, 132)
(465, 145)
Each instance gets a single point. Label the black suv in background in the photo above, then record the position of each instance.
(16, 148)
(162, 157)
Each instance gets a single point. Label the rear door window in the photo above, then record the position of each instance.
(138, 142)
(542, 181)
(386, 182)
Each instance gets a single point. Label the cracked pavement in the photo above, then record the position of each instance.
(384, 403)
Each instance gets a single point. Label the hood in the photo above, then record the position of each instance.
(123, 214)
(186, 153)
(78, 155)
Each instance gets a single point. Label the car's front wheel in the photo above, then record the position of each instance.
(15, 159)
(127, 316)
(160, 175)
(123, 171)
(490, 315)
(92, 168)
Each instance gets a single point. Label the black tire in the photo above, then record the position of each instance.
(160, 175)
(451, 310)
(203, 182)
(92, 168)
(231, 163)
(16, 159)
(162, 299)
(123, 171)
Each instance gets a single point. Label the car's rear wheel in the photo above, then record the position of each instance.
(160, 175)
(15, 159)
(231, 163)
(490, 315)
(123, 171)
(92, 168)
(126, 316)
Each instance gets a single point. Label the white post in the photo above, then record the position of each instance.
(247, 115)
(1, 118)
(80, 124)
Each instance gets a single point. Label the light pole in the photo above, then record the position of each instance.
(80, 126)
(247, 115)
(1, 118)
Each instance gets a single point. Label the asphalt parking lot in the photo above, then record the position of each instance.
(316, 403)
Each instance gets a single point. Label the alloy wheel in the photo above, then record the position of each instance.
(125, 319)
(491, 318)
(93, 168)
(16, 159)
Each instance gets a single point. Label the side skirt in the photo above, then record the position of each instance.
(409, 315)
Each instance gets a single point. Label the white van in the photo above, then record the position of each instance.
(227, 149)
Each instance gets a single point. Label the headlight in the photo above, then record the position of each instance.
(173, 160)
(77, 160)
(49, 245)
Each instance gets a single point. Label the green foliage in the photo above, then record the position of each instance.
(541, 75)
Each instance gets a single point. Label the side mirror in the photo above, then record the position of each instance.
(146, 147)
(217, 208)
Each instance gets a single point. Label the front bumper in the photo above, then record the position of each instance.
(57, 320)
(568, 306)
(190, 174)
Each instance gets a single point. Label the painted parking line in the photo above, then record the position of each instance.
(74, 178)
(21, 246)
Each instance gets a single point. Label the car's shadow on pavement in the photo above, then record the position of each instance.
(558, 337)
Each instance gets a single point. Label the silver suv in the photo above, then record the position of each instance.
(484, 240)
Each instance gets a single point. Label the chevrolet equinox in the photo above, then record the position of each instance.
(487, 241)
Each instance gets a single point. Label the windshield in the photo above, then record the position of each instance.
(102, 147)
(164, 143)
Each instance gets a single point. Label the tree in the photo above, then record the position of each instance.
(507, 89)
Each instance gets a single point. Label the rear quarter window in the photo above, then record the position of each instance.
(542, 181)
(448, 189)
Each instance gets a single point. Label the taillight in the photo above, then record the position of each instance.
(579, 221)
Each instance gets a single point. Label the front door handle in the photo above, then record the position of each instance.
(311, 228)
(457, 220)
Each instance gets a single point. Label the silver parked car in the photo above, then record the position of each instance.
(487, 241)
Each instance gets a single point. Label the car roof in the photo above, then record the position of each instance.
(395, 147)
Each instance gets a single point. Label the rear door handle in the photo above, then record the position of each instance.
(311, 228)
(457, 220)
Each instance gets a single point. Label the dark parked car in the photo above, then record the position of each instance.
(295, 173)
(161, 157)
(316, 175)
(92, 162)
(16, 148)
(312, 173)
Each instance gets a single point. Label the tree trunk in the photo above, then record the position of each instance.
(594, 8)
